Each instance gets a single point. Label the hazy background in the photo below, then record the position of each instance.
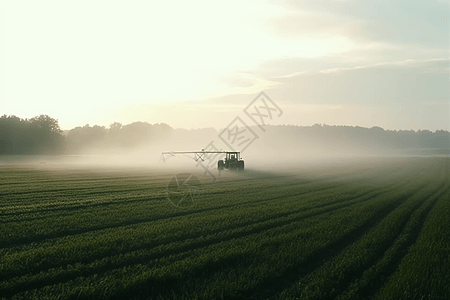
(40, 140)
(198, 64)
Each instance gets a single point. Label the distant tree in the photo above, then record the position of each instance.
(116, 137)
(376, 129)
(38, 135)
(113, 135)
(115, 127)
(14, 136)
(425, 138)
(82, 138)
(163, 130)
(440, 139)
(47, 134)
(135, 134)
(46, 123)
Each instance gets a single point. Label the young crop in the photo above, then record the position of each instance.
(370, 230)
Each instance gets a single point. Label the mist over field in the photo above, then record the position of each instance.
(140, 144)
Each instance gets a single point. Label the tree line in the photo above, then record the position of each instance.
(116, 137)
(43, 135)
(362, 137)
(38, 135)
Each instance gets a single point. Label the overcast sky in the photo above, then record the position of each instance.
(198, 64)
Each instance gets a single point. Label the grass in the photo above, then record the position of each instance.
(375, 229)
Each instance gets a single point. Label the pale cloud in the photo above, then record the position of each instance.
(414, 22)
(289, 75)
(431, 65)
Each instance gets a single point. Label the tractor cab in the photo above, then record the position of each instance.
(232, 156)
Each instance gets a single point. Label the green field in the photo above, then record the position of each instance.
(363, 229)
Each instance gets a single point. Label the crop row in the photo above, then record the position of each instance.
(125, 206)
(279, 236)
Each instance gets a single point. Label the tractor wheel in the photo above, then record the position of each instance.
(240, 166)
(220, 165)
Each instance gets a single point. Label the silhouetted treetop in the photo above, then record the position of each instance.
(46, 123)
(38, 135)
(116, 137)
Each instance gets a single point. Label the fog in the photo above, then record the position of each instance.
(277, 149)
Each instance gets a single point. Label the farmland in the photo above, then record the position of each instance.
(361, 229)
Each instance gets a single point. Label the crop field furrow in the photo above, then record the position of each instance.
(342, 201)
(271, 221)
(423, 271)
(136, 221)
(407, 231)
(362, 230)
(276, 284)
(376, 175)
(378, 274)
(19, 204)
(119, 183)
(54, 178)
(82, 204)
(340, 205)
(82, 199)
(37, 214)
(56, 196)
(314, 257)
(256, 228)
(392, 227)
(62, 276)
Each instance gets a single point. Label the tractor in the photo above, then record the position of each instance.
(232, 161)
